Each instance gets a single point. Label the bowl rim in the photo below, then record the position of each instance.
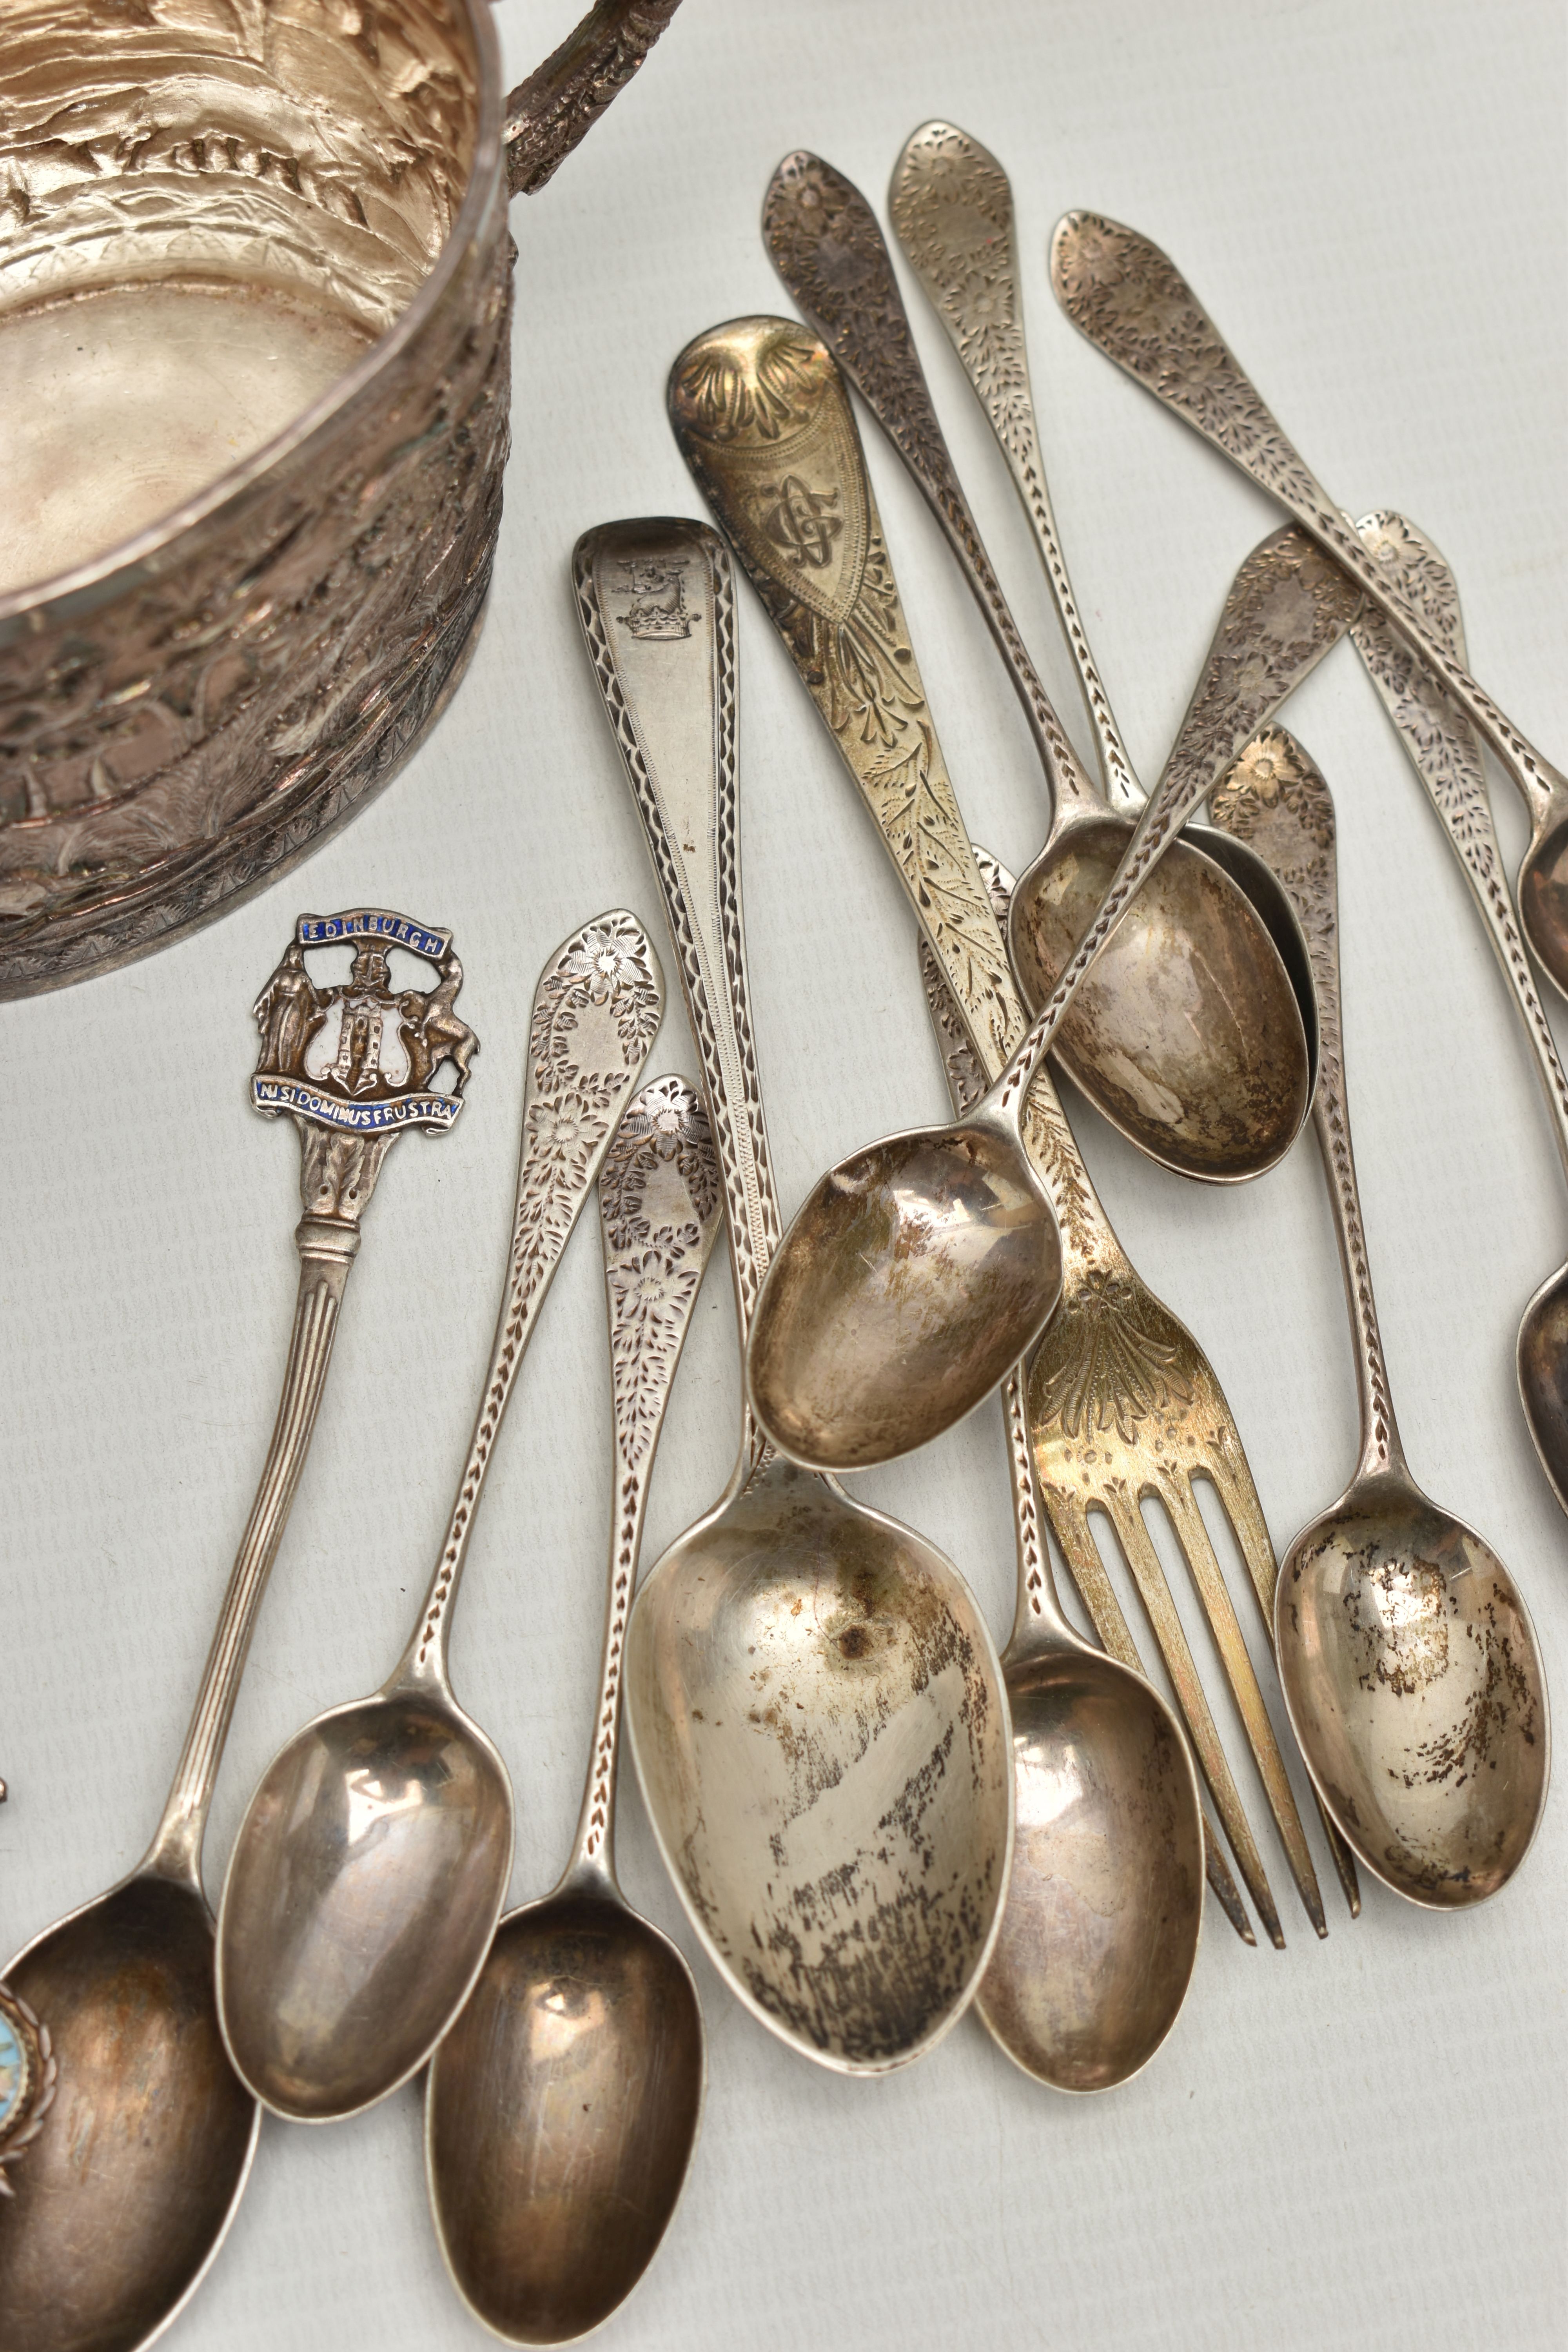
(39, 604)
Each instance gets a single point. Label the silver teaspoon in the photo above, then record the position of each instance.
(369, 1868)
(561, 2111)
(1099, 1935)
(1407, 1655)
(1447, 756)
(1190, 1039)
(817, 1710)
(1133, 304)
(127, 2192)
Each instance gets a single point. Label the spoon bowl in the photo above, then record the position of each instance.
(363, 1891)
(125, 2197)
(1100, 1936)
(585, 2025)
(1414, 1683)
(1542, 1357)
(1542, 886)
(912, 1279)
(811, 1698)
(1182, 1019)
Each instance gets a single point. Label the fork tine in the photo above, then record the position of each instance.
(1228, 1474)
(1082, 1557)
(1081, 1553)
(1225, 1891)
(1192, 1535)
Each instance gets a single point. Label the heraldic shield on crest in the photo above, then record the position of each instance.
(27, 2077)
(358, 1057)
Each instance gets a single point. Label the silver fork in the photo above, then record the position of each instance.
(1122, 1404)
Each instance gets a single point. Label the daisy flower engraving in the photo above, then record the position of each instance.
(1091, 260)
(565, 1129)
(604, 965)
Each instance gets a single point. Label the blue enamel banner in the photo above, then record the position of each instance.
(372, 923)
(275, 1094)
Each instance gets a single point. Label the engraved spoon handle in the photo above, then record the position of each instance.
(655, 601)
(596, 1013)
(1133, 304)
(1447, 757)
(660, 1206)
(1276, 799)
(826, 245)
(328, 1247)
(952, 210)
(763, 421)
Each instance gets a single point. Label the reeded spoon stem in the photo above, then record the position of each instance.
(1275, 771)
(661, 1176)
(328, 1247)
(976, 294)
(1447, 756)
(865, 326)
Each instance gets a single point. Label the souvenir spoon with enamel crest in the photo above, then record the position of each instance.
(131, 2185)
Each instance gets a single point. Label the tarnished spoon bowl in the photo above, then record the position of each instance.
(1190, 1024)
(1100, 1932)
(585, 2025)
(912, 1280)
(812, 1697)
(126, 1985)
(1542, 1361)
(1414, 1683)
(1543, 887)
(360, 1899)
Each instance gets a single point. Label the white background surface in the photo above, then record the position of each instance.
(1358, 2143)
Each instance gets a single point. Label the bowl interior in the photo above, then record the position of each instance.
(206, 216)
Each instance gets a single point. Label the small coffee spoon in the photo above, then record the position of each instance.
(817, 1710)
(1133, 303)
(1100, 1932)
(561, 2111)
(1407, 1655)
(1191, 1038)
(1447, 756)
(127, 2192)
(371, 1866)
